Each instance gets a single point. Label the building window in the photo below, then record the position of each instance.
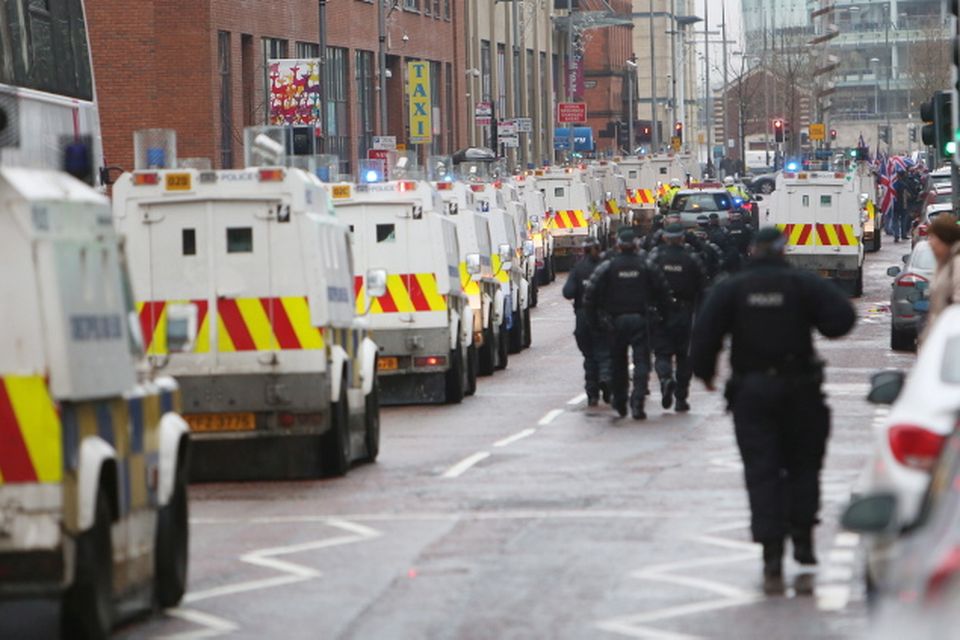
(501, 80)
(274, 48)
(308, 51)
(436, 8)
(412, 5)
(485, 88)
(517, 98)
(226, 100)
(365, 93)
(531, 87)
(446, 9)
(335, 90)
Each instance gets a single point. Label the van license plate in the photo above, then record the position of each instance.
(213, 422)
(387, 364)
(179, 182)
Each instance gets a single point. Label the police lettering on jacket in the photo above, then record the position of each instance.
(626, 284)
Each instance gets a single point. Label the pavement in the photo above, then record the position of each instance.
(522, 513)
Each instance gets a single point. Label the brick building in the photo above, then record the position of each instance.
(200, 67)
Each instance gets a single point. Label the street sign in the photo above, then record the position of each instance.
(675, 143)
(818, 131)
(483, 114)
(507, 131)
(385, 142)
(421, 113)
(524, 125)
(571, 112)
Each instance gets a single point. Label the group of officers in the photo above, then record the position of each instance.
(679, 292)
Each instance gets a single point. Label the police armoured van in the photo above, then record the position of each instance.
(570, 221)
(537, 213)
(424, 322)
(280, 378)
(823, 214)
(93, 500)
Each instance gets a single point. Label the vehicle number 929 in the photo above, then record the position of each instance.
(178, 182)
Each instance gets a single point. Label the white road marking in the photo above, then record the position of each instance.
(832, 597)
(846, 539)
(526, 433)
(212, 625)
(575, 401)
(550, 417)
(461, 467)
(842, 556)
(838, 574)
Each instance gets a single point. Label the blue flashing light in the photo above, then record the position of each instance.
(792, 166)
(372, 176)
(738, 201)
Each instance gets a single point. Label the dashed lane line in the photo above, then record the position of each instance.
(526, 433)
(577, 400)
(211, 626)
(464, 465)
(550, 417)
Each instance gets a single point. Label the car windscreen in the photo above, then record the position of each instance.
(950, 370)
(701, 202)
(923, 258)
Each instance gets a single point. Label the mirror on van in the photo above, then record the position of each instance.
(528, 248)
(473, 264)
(864, 199)
(376, 283)
(506, 257)
(534, 220)
(181, 327)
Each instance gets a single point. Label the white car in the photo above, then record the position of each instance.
(908, 441)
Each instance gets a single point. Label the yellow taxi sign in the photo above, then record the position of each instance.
(342, 192)
(818, 131)
(178, 182)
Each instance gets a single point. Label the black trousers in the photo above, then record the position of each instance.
(782, 425)
(630, 334)
(671, 342)
(596, 354)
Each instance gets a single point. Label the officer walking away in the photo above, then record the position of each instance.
(592, 343)
(741, 234)
(618, 300)
(687, 278)
(779, 414)
(722, 239)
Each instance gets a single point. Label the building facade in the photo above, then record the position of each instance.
(201, 67)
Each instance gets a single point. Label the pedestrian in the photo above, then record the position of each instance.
(687, 277)
(943, 234)
(900, 207)
(781, 420)
(618, 300)
(592, 344)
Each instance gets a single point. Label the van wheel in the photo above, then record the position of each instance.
(455, 382)
(534, 293)
(173, 543)
(902, 339)
(858, 284)
(527, 333)
(553, 269)
(487, 360)
(473, 366)
(336, 442)
(516, 333)
(87, 609)
(371, 422)
(503, 355)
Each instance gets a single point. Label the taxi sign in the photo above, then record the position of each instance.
(178, 182)
(818, 131)
(342, 192)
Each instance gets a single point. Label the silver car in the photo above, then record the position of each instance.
(908, 300)
(691, 204)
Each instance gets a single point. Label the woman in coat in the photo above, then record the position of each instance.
(944, 237)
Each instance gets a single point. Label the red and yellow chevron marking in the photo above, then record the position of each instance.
(243, 324)
(567, 220)
(800, 235)
(612, 207)
(31, 440)
(640, 196)
(470, 286)
(820, 235)
(833, 235)
(406, 293)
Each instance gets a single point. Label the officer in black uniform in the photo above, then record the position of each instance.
(781, 420)
(721, 237)
(618, 299)
(741, 234)
(710, 254)
(687, 277)
(592, 344)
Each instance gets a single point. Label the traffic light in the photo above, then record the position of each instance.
(937, 116)
(833, 134)
(778, 130)
(929, 131)
(623, 136)
(645, 134)
(678, 131)
(913, 133)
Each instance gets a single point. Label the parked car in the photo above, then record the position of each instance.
(937, 202)
(907, 443)
(764, 184)
(908, 298)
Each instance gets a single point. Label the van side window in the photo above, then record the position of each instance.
(240, 240)
(826, 201)
(806, 201)
(386, 233)
(189, 242)
(558, 192)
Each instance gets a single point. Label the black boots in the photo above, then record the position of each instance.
(605, 391)
(803, 547)
(636, 410)
(773, 568)
(682, 405)
(667, 388)
(592, 400)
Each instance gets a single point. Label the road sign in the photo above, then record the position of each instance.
(571, 112)
(818, 131)
(385, 142)
(524, 125)
(483, 114)
(507, 132)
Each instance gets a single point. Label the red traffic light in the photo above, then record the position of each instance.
(833, 134)
(778, 124)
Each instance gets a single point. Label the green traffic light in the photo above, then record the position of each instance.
(853, 153)
(950, 148)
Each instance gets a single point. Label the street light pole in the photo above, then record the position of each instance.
(654, 130)
(707, 101)
(382, 63)
(631, 71)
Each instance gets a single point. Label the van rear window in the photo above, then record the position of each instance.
(386, 233)
(240, 240)
(189, 242)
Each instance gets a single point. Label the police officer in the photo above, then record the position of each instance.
(735, 190)
(592, 344)
(667, 199)
(779, 414)
(687, 277)
(618, 299)
(710, 253)
(741, 234)
(719, 236)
